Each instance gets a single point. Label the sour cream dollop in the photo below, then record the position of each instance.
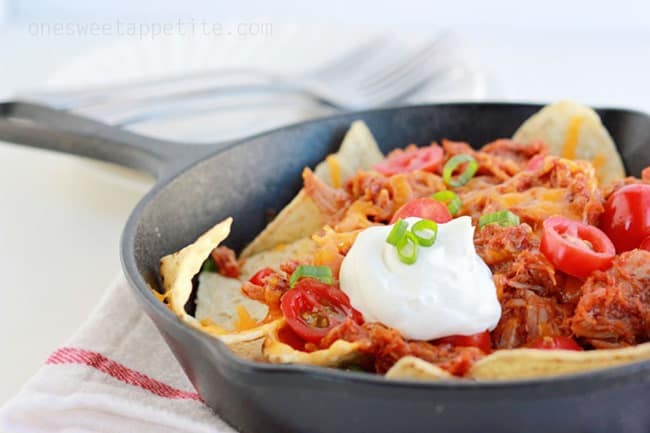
(448, 291)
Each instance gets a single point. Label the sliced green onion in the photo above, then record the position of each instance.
(426, 232)
(397, 232)
(209, 266)
(451, 199)
(407, 248)
(504, 218)
(465, 176)
(320, 273)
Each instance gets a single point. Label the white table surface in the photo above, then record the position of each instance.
(60, 224)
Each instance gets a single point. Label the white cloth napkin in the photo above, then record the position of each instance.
(116, 374)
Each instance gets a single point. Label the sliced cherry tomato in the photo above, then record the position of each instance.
(288, 336)
(424, 207)
(555, 343)
(575, 248)
(403, 161)
(260, 276)
(312, 308)
(481, 340)
(645, 245)
(627, 216)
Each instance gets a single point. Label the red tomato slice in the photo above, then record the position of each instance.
(575, 248)
(403, 161)
(312, 308)
(645, 245)
(555, 343)
(627, 216)
(424, 207)
(481, 340)
(260, 276)
(289, 337)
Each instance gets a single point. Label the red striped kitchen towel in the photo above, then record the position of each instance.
(116, 374)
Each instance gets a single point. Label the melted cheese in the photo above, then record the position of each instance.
(280, 247)
(537, 202)
(160, 296)
(335, 170)
(598, 162)
(208, 323)
(244, 320)
(571, 141)
(514, 199)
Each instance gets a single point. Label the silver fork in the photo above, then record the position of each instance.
(193, 84)
(371, 75)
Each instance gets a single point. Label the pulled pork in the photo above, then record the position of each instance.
(615, 186)
(609, 309)
(527, 316)
(500, 159)
(385, 346)
(369, 197)
(271, 289)
(226, 261)
(528, 287)
(557, 187)
(614, 309)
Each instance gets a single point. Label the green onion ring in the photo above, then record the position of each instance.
(320, 273)
(397, 232)
(451, 199)
(407, 248)
(504, 218)
(426, 232)
(465, 176)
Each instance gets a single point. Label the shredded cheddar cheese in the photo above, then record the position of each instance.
(280, 247)
(160, 296)
(571, 140)
(210, 325)
(335, 170)
(532, 195)
(598, 161)
(537, 202)
(244, 319)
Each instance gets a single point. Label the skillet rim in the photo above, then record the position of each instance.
(143, 293)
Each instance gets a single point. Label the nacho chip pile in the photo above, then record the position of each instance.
(301, 230)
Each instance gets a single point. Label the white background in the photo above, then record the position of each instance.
(60, 224)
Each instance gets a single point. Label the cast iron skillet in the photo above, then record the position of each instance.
(199, 186)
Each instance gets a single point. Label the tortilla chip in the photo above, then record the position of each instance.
(339, 353)
(289, 233)
(358, 151)
(574, 131)
(302, 218)
(177, 271)
(273, 258)
(298, 219)
(218, 297)
(231, 338)
(412, 368)
(531, 363)
(251, 349)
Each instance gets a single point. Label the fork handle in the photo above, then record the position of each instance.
(207, 100)
(77, 99)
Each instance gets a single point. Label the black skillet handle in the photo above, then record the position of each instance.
(47, 128)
